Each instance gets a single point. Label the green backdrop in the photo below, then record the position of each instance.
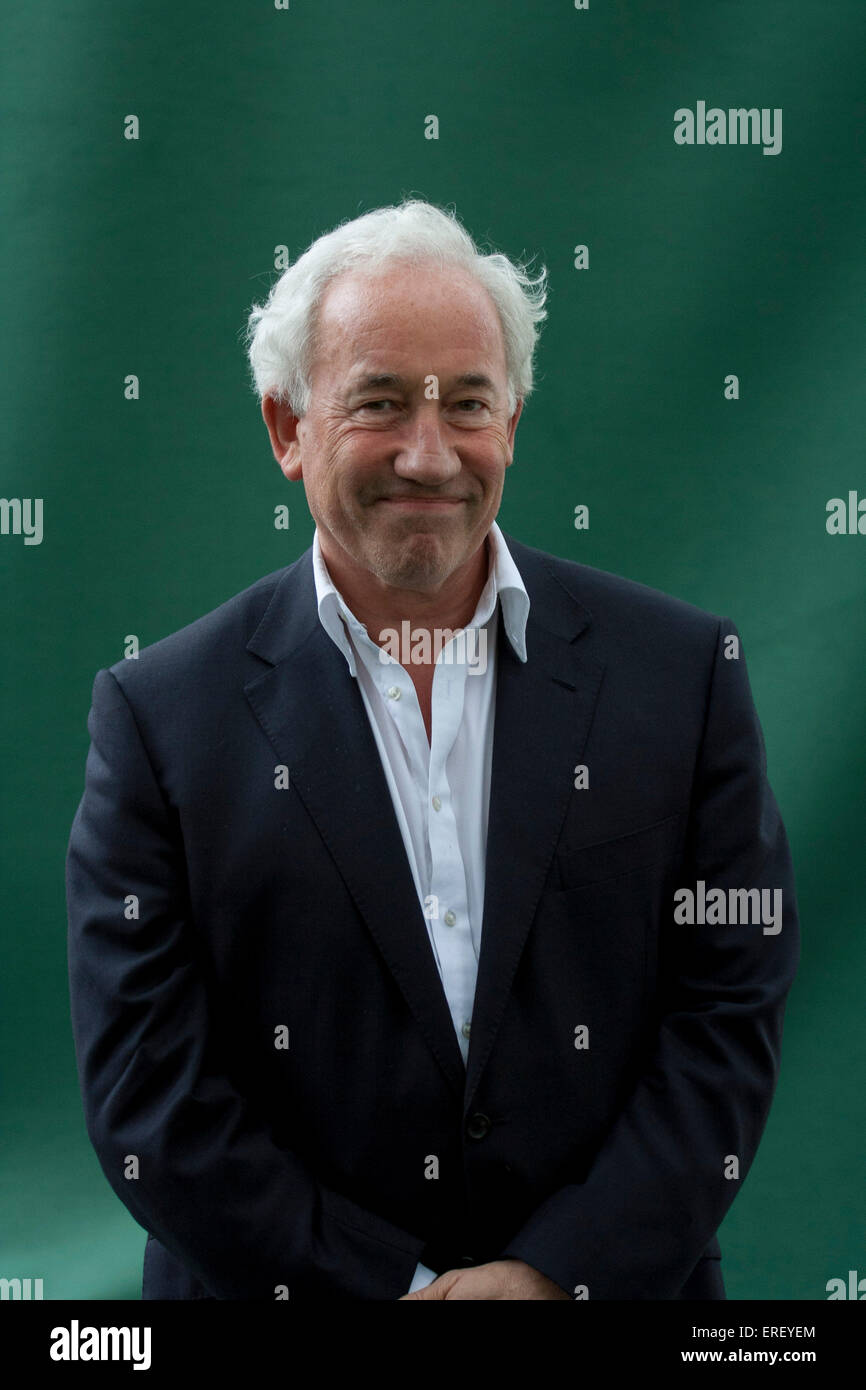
(262, 127)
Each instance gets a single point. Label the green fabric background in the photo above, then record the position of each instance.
(261, 127)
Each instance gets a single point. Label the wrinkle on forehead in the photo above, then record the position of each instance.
(347, 311)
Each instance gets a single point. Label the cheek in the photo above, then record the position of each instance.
(492, 474)
(344, 490)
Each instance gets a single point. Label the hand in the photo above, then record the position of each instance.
(499, 1279)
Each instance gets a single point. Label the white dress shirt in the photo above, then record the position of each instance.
(440, 789)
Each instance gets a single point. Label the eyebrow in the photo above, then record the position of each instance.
(375, 381)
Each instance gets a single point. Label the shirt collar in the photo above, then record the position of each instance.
(503, 582)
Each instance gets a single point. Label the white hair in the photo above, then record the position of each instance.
(280, 334)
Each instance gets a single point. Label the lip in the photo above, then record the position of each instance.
(430, 503)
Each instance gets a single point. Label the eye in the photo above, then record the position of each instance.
(483, 405)
(368, 405)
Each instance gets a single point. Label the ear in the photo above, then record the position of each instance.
(512, 427)
(282, 427)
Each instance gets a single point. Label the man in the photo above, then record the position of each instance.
(382, 977)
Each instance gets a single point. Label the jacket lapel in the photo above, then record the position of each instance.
(313, 713)
(544, 709)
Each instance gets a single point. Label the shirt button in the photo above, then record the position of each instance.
(466, 1027)
(450, 918)
(437, 804)
(394, 692)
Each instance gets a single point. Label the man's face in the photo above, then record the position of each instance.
(403, 485)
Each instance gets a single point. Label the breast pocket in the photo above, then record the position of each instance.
(609, 898)
(606, 860)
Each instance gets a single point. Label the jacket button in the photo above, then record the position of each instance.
(467, 1260)
(478, 1126)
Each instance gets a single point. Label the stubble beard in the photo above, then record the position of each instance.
(416, 561)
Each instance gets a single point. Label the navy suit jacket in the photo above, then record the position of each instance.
(211, 906)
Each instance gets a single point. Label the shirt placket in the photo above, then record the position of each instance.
(451, 928)
(445, 899)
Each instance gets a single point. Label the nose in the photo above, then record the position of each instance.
(424, 456)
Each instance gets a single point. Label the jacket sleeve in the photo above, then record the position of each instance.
(675, 1158)
(178, 1143)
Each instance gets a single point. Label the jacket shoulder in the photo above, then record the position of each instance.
(626, 602)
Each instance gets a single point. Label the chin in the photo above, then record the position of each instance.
(415, 565)
(415, 574)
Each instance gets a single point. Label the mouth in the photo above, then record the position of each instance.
(423, 503)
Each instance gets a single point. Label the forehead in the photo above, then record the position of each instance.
(407, 310)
